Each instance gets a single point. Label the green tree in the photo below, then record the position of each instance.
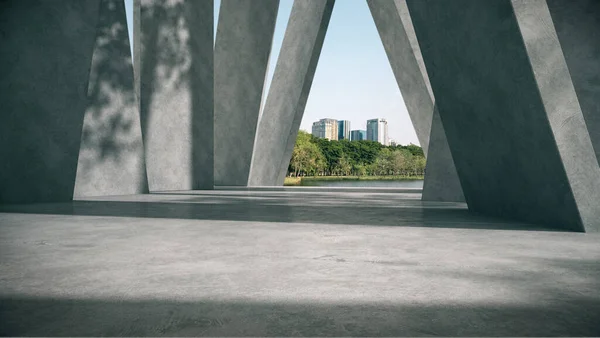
(306, 156)
(359, 169)
(343, 165)
(401, 159)
(420, 165)
(316, 156)
(415, 150)
(382, 165)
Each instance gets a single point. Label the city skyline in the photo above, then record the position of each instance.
(376, 130)
(353, 75)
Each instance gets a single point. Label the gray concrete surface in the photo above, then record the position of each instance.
(111, 154)
(395, 28)
(242, 49)
(509, 111)
(278, 126)
(562, 107)
(235, 263)
(441, 179)
(176, 93)
(577, 24)
(44, 68)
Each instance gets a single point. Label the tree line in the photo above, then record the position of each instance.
(314, 156)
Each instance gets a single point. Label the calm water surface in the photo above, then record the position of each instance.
(368, 184)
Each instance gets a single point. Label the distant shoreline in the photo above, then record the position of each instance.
(291, 181)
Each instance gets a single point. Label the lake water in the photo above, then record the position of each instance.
(368, 184)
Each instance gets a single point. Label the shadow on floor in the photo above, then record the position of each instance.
(373, 210)
(22, 316)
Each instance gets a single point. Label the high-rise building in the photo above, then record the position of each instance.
(377, 130)
(325, 128)
(358, 135)
(344, 130)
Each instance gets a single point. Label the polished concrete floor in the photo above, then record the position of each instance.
(289, 263)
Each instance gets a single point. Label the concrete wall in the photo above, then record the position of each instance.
(395, 28)
(577, 23)
(242, 48)
(516, 134)
(44, 67)
(284, 108)
(176, 93)
(111, 155)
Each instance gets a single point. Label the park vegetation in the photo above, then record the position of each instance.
(320, 157)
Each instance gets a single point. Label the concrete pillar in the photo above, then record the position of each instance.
(176, 92)
(577, 24)
(242, 48)
(111, 155)
(509, 110)
(284, 108)
(44, 67)
(395, 28)
(441, 180)
(391, 24)
(137, 12)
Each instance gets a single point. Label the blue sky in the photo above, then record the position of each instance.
(353, 80)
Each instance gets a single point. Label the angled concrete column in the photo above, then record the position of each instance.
(577, 24)
(509, 110)
(44, 67)
(111, 155)
(395, 28)
(176, 93)
(136, 57)
(410, 74)
(441, 180)
(242, 48)
(284, 108)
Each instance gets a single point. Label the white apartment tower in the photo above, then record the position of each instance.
(325, 128)
(377, 130)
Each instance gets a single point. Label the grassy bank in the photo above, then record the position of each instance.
(291, 181)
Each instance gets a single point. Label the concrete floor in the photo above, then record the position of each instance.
(281, 263)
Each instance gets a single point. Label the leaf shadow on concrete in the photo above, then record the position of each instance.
(111, 157)
(176, 93)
